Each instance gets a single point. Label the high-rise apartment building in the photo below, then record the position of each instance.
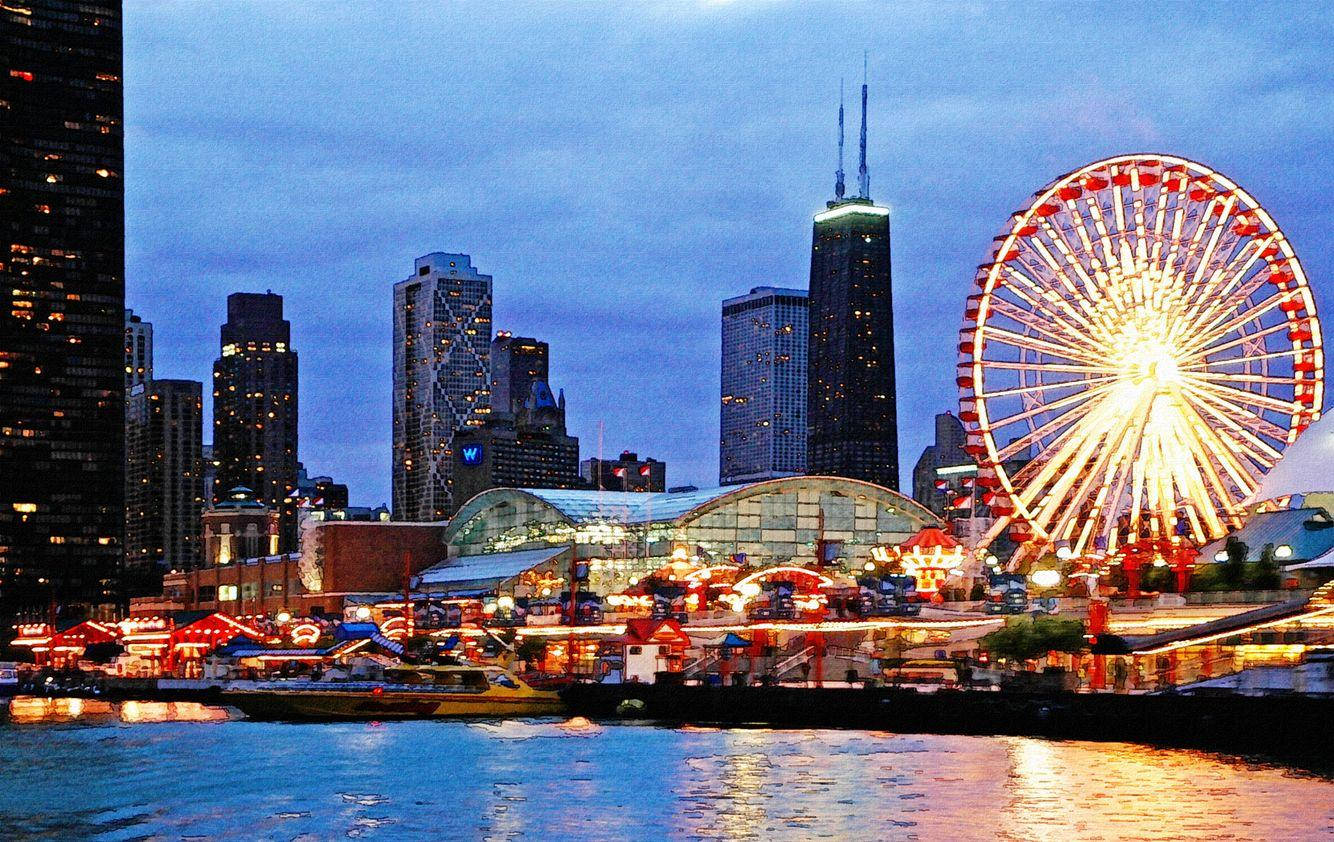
(62, 269)
(164, 498)
(852, 420)
(255, 407)
(138, 350)
(442, 376)
(517, 362)
(763, 413)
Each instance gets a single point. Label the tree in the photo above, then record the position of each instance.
(1023, 639)
(1234, 569)
(1265, 573)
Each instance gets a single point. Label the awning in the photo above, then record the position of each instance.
(470, 573)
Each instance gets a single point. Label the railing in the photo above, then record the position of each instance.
(700, 664)
(788, 664)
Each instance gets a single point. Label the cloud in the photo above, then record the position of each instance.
(621, 174)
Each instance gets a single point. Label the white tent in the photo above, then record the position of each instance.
(1306, 468)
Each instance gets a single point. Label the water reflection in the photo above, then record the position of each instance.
(29, 710)
(560, 780)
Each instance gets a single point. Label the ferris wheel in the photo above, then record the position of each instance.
(1142, 348)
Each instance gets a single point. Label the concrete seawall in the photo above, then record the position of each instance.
(1295, 729)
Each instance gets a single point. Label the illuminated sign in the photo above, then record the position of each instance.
(471, 454)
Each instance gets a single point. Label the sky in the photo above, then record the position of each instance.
(620, 169)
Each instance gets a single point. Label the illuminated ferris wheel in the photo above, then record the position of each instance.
(1142, 349)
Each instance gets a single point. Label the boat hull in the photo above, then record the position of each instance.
(332, 704)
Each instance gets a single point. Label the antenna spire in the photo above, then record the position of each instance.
(863, 178)
(838, 180)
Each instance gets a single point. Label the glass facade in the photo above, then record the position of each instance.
(763, 413)
(62, 269)
(442, 363)
(626, 536)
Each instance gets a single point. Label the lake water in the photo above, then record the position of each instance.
(153, 771)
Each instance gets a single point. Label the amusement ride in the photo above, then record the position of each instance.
(1140, 350)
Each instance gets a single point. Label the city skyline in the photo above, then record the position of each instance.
(953, 142)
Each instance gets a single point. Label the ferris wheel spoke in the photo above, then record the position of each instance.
(1107, 462)
(1055, 425)
(1243, 397)
(1050, 406)
(1257, 424)
(1253, 314)
(1239, 377)
(1256, 448)
(1060, 333)
(1017, 340)
(1217, 450)
(1223, 302)
(1082, 448)
(1207, 491)
(1044, 387)
(1043, 297)
(1067, 257)
(1061, 368)
(1272, 355)
(1243, 338)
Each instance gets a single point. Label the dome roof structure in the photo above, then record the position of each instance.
(1306, 468)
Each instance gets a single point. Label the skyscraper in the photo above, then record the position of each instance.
(255, 407)
(529, 448)
(517, 362)
(442, 374)
(165, 494)
(138, 350)
(851, 414)
(62, 266)
(763, 413)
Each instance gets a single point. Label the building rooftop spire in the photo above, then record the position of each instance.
(838, 176)
(863, 178)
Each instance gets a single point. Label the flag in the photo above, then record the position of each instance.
(963, 501)
(620, 472)
(644, 470)
(942, 484)
(968, 482)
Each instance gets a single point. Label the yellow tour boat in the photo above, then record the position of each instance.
(407, 692)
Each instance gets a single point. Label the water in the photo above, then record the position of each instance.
(88, 773)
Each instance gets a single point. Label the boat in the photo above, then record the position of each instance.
(406, 692)
(9, 679)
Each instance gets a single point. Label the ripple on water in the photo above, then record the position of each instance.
(420, 780)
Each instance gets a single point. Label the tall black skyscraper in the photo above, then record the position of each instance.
(852, 425)
(62, 267)
(517, 362)
(255, 407)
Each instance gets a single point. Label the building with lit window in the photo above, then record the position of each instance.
(442, 376)
(138, 350)
(517, 362)
(62, 266)
(255, 406)
(626, 472)
(852, 418)
(500, 535)
(526, 449)
(164, 497)
(763, 413)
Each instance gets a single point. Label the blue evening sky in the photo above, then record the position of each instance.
(622, 168)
